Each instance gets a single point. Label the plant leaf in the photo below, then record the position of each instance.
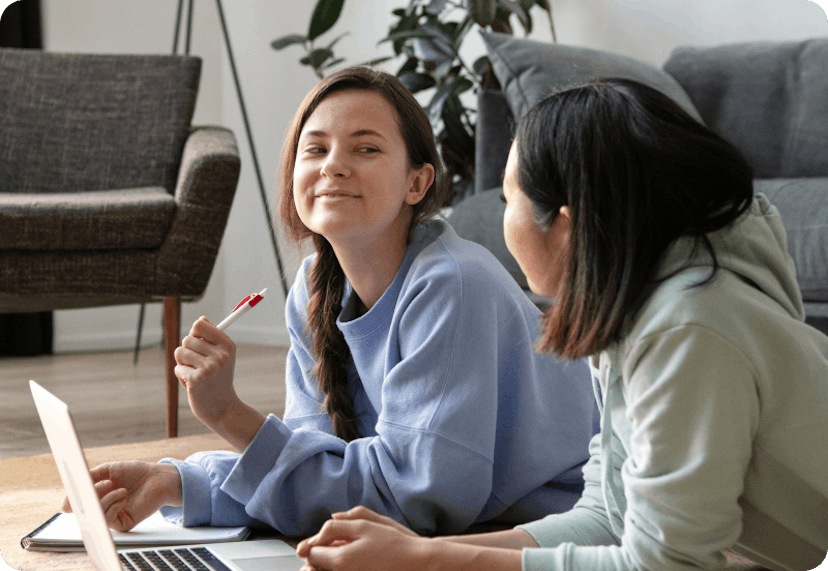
(436, 6)
(482, 11)
(409, 65)
(332, 63)
(376, 61)
(416, 81)
(517, 9)
(428, 50)
(435, 106)
(339, 37)
(285, 41)
(324, 17)
(317, 57)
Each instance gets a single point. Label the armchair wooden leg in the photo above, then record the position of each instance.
(172, 335)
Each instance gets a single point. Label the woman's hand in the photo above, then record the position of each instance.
(363, 545)
(205, 367)
(132, 491)
(361, 512)
(205, 362)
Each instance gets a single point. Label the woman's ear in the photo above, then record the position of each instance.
(420, 184)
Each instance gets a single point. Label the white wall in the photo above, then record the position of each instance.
(274, 84)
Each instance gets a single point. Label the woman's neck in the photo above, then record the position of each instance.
(370, 268)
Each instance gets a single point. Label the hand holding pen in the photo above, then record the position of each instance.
(205, 363)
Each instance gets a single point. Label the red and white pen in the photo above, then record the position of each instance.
(242, 308)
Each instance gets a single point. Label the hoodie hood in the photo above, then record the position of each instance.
(754, 247)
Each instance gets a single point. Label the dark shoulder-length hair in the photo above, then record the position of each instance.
(326, 282)
(636, 172)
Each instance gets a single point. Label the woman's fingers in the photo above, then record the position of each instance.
(361, 512)
(333, 531)
(113, 503)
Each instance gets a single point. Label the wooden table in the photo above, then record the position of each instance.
(31, 491)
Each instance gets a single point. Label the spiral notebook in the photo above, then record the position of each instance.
(62, 533)
(260, 555)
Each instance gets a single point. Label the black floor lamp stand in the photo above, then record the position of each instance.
(263, 194)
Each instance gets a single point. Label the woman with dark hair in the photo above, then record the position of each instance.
(412, 386)
(675, 280)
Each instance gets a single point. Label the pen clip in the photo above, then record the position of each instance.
(253, 298)
(242, 302)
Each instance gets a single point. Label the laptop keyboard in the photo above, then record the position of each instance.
(182, 559)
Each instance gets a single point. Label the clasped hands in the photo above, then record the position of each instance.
(363, 540)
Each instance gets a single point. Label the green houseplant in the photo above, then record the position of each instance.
(427, 36)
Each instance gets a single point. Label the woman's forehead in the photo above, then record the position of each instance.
(352, 110)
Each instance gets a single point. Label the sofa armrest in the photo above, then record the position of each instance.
(207, 181)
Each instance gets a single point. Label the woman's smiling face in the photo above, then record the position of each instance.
(352, 178)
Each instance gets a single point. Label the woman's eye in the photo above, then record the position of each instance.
(502, 198)
(315, 150)
(369, 150)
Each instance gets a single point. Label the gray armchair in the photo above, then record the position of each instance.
(107, 195)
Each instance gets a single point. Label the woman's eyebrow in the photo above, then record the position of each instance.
(358, 133)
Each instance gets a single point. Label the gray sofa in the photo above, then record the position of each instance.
(769, 99)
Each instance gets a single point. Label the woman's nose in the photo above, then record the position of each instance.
(335, 165)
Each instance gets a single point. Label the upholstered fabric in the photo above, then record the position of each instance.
(77, 122)
(480, 220)
(495, 131)
(528, 70)
(770, 99)
(180, 267)
(107, 195)
(803, 205)
(96, 220)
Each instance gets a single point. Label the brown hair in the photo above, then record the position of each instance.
(327, 280)
(637, 172)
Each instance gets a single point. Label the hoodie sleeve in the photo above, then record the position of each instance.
(693, 408)
(587, 522)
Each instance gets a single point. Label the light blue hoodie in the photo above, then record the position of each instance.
(714, 431)
(453, 403)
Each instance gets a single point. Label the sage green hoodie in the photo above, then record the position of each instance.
(714, 430)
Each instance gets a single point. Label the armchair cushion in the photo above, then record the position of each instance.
(95, 220)
(529, 70)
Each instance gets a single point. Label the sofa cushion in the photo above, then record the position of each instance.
(767, 98)
(479, 218)
(804, 209)
(529, 70)
(98, 220)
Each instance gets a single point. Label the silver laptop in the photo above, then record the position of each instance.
(270, 554)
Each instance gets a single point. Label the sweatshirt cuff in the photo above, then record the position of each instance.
(552, 531)
(257, 460)
(195, 491)
(540, 559)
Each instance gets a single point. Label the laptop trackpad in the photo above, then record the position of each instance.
(290, 563)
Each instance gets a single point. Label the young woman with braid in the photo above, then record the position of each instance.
(412, 384)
